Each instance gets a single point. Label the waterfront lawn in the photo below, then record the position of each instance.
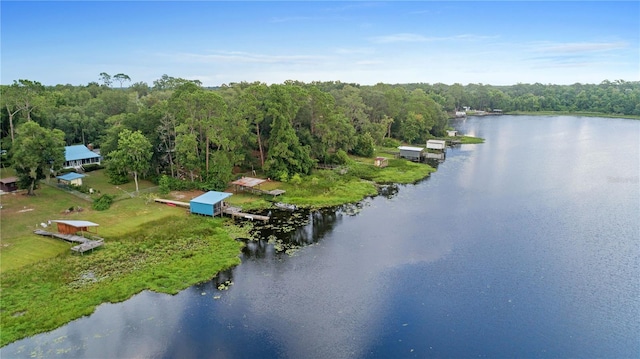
(165, 255)
(99, 181)
(346, 184)
(21, 215)
(466, 140)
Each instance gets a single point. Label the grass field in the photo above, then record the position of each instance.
(21, 215)
(147, 245)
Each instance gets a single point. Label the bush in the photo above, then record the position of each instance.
(283, 176)
(103, 202)
(340, 158)
(390, 142)
(92, 167)
(164, 185)
(82, 188)
(296, 179)
(364, 146)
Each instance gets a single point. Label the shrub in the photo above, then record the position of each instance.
(164, 185)
(283, 176)
(103, 202)
(92, 167)
(296, 179)
(340, 158)
(390, 142)
(364, 146)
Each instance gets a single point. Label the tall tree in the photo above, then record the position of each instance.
(132, 155)
(287, 156)
(10, 101)
(36, 153)
(106, 79)
(121, 78)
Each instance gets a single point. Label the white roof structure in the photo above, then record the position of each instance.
(409, 148)
(77, 223)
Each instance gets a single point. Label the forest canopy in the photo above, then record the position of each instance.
(197, 136)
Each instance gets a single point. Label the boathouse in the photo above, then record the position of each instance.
(411, 153)
(436, 144)
(252, 185)
(78, 155)
(71, 178)
(73, 227)
(9, 184)
(208, 204)
(452, 133)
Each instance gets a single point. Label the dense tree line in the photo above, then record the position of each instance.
(198, 135)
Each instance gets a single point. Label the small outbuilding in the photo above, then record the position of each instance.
(452, 133)
(208, 204)
(71, 178)
(381, 162)
(9, 184)
(411, 153)
(436, 144)
(73, 227)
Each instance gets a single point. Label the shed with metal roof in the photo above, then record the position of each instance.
(71, 178)
(436, 144)
(208, 204)
(73, 227)
(411, 153)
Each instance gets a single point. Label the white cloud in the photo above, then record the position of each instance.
(403, 37)
(354, 51)
(578, 47)
(411, 37)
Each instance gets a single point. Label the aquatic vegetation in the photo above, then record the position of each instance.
(165, 256)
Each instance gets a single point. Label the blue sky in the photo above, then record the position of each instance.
(499, 43)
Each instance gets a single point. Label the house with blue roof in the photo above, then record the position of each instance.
(208, 204)
(78, 155)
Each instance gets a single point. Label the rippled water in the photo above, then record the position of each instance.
(525, 246)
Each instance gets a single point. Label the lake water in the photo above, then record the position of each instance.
(525, 246)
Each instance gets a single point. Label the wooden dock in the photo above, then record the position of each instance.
(88, 245)
(84, 245)
(174, 203)
(234, 212)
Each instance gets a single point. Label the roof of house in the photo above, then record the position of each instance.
(248, 181)
(441, 142)
(409, 148)
(78, 152)
(211, 197)
(9, 180)
(76, 223)
(70, 176)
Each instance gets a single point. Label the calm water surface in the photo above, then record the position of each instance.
(525, 246)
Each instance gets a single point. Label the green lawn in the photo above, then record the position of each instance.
(21, 215)
(99, 181)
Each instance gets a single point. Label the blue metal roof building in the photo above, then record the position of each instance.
(78, 155)
(208, 204)
(70, 176)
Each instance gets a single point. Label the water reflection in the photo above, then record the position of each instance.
(500, 253)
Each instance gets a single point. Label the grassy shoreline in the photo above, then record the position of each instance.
(148, 246)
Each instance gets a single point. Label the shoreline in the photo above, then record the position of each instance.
(168, 254)
(555, 113)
